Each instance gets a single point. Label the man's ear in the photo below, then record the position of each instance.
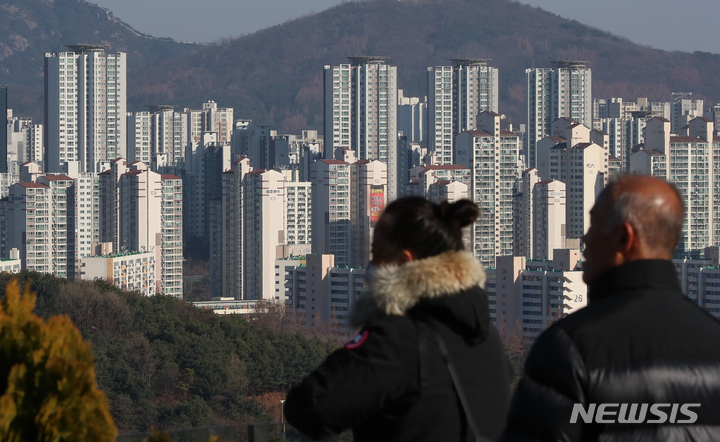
(628, 238)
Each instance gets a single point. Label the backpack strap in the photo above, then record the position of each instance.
(453, 375)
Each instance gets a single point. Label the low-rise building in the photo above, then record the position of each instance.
(134, 271)
(526, 296)
(320, 293)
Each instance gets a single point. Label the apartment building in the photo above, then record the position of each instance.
(319, 292)
(263, 224)
(360, 112)
(563, 90)
(456, 95)
(347, 201)
(298, 212)
(85, 107)
(527, 296)
(142, 210)
(413, 118)
(578, 160)
(492, 155)
(140, 136)
(688, 161)
(132, 271)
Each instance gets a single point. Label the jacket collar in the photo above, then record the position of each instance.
(636, 275)
(396, 289)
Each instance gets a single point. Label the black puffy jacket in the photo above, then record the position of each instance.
(378, 386)
(639, 341)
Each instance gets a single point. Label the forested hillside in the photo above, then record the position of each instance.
(29, 28)
(166, 364)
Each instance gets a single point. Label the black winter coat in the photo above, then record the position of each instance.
(378, 386)
(639, 341)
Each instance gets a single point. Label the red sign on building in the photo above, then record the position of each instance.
(377, 202)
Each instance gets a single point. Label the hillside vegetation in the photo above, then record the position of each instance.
(274, 76)
(166, 364)
(29, 28)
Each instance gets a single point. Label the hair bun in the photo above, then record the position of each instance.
(464, 212)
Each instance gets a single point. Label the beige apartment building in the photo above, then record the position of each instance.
(318, 291)
(576, 157)
(526, 296)
(142, 210)
(132, 271)
(689, 161)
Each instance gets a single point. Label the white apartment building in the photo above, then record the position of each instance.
(456, 95)
(564, 90)
(422, 177)
(684, 110)
(25, 227)
(263, 210)
(540, 216)
(171, 236)
(25, 142)
(527, 296)
(492, 155)
(170, 134)
(85, 228)
(195, 124)
(38, 222)
(360, 112)
(85, 107)
(132, 271)
(12, 264)
(412, 118)
(218, 119)
(617, 132)
(140, 136)
(298, 212)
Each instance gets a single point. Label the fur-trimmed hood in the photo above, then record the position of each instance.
(397, 289)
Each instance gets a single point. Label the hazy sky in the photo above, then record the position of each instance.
(663, 24)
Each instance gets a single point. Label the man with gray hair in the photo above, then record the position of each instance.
(641, 362)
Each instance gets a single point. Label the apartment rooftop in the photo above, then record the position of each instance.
(459, 62)
(82, 48)
(119, 254)
(558, 64)
(359, 60)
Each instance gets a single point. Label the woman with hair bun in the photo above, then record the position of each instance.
(427, 364)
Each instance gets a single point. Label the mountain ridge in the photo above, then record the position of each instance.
(274, 75)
